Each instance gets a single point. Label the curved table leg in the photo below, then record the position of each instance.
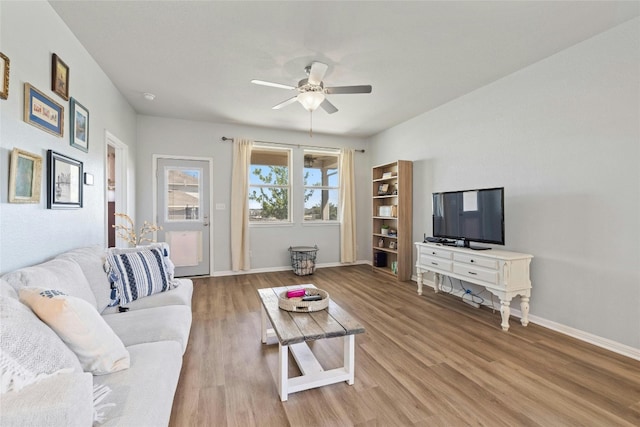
(419, 274)
(505, 311)
(524, 307)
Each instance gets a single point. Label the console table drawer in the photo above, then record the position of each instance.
(436, 263)
(476, 273)
(438, 253)
(482, 262)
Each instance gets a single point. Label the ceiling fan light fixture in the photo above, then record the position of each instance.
(311, 100)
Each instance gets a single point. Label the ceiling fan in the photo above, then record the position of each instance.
(311, 91)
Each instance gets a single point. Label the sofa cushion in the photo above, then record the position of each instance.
(180, 295)
(98, 348)
(30, 350)
(143, 394)
(92, 261)
(138, 274)
(169, 323)
(62, 274)
(63, 400)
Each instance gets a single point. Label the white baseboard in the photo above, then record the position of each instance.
(605, 343)
(283, 268)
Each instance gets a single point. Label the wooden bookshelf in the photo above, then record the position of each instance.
(392, 206)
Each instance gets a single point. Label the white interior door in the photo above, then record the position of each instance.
(183, 212)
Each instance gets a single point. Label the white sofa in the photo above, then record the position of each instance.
(154, 332)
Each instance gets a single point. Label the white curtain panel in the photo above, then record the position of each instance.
(347, 207)
(240, 204)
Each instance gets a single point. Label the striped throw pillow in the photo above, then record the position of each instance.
(138, 274)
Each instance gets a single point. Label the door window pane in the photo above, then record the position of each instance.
(183, 194)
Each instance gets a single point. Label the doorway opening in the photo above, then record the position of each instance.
(116, 186)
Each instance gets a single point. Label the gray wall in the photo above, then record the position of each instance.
(268, 243)
(30, 33)
(562, 136)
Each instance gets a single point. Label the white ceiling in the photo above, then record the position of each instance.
(198, 57)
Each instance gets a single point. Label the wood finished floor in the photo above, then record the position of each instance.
(423, 361)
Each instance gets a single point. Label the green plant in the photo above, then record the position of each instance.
(384, 226)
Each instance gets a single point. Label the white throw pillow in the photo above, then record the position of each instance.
(29, 350)
(98, 348)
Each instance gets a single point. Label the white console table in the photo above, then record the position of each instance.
(504, 274)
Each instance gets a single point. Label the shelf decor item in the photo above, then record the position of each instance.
(4, 75)
(25, 177)
(385, 211)
(383, 189)
(42, 111)
(64, 181)
(59, 77)
(79, 126)
(384, 230)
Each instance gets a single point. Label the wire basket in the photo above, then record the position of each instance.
(303, 259)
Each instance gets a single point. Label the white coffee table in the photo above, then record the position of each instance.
(293, 330)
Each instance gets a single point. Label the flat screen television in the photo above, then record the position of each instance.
(469, 216)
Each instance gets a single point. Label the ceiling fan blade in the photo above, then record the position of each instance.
(285, 103)
(347, 89)
(278, 85)
(317, 72)
(328, 107)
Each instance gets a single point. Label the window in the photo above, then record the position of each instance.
(321, 185)
(269, 185)
(183, 193)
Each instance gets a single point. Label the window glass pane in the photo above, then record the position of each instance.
(269, 185)
(320, 205)
(268, 204)
(320, 170)
(321, 181)
(183, 194)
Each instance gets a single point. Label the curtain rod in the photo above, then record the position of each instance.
(224, 138)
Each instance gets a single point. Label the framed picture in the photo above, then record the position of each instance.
(4, 75)
(42, 111)
(383, 189)
(392, 245)
(79, 126)
(25, 177)
(59, 77)
(384, 211)
(387, 175)
(64, 181)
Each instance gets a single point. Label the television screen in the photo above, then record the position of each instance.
(472, 215)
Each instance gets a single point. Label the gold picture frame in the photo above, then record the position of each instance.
(25, 177)
(4, 75)
(59, 77)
